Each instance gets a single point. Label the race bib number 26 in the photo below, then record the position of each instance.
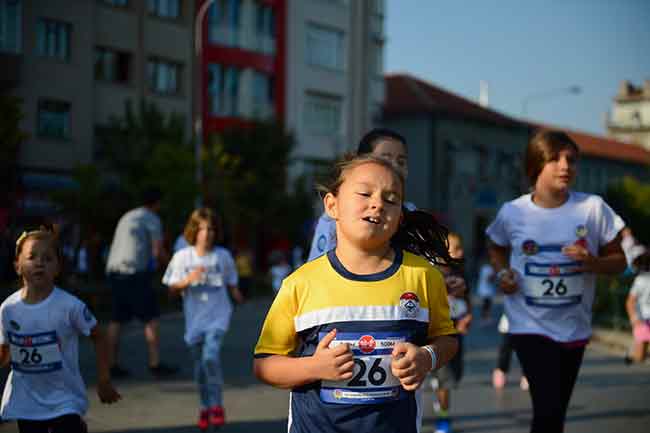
(372, 381)
(553, 285)
(36, 353)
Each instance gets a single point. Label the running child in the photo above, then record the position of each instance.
(638, 311)
(206, 276)
(460, 309)
(550, 244)
(40, 326)
(355, 332)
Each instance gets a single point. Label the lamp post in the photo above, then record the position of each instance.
(198, 122)
(571, 90)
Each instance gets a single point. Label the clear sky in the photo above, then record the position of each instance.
(522, 48)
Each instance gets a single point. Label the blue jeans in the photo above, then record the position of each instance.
(208, 373)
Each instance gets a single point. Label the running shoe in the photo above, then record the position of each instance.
(204, 420)
(163, 370)
(217, 416)
(523, 383)
(442, 425)
(498, 379)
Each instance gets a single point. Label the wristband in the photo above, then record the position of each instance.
(434, 358)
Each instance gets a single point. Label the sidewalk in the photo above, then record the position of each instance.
(618, 342)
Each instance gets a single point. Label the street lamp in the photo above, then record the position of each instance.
(198, 122)
(571, 90)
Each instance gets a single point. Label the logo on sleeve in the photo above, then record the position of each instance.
(410, 304)
(87, 314)
(581, 231)
(530, 247)
(321, 242)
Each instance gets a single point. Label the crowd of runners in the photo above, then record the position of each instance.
(376, 315)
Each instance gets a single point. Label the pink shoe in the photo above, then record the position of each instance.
(204, 422)
(217, 416)
(523, 384)
(498, 379)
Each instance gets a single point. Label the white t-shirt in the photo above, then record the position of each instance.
(45, 381)
(131, 250)
(485, 287)
(206, 305)
(324, 238)
(641, 289)
(554, 299)
(180, 243)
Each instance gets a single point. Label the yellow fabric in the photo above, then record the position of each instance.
(317, 286)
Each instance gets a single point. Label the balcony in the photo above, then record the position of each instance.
(10, 64)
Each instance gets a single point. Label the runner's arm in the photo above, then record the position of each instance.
(610, 259)
(5, 355)
(105, 390)
(630, 307)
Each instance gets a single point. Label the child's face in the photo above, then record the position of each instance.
(368, 206)
(455, 248)
(37, 264)
(558, 175)
(206, 233)
(393, 151)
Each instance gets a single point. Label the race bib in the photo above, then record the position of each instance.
(553, 285)
(36, 353)
(372, 380)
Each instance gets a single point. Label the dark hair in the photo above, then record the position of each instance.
(371, 138)
(543, 147)
(419, 233)
(194, 221)
(151, 196)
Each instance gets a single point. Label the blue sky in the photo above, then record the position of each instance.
(523, 48)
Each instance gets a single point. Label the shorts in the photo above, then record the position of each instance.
(642, 332)
(452, 372)
(133, 296)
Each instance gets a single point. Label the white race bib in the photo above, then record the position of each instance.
(553, 285)
(35, 353)
(372, 380)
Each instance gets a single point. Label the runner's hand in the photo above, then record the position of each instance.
(410, 365)
(334, 363)
(582, 255)
(195, 275)
(507, 281)
(463, 324)
(107, 394)
(456, 286)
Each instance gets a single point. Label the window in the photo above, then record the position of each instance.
(325, 47)
(10, 26)
(323, 114)
(164, 76)
(223, 90)
(111, 65)
(54, 39)
(53, 119)
(224, 18)
(262, 95)
(264, 28)
(117, 3)
(165, 8)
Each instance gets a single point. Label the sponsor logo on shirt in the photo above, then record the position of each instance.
(581, 231)
(367, 344)
(321, 242)
(530, 247)
(410, 304)
(14, 325)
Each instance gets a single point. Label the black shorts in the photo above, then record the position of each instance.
(63, 424)
(133, 296)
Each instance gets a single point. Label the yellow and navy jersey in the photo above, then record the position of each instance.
(406, 302)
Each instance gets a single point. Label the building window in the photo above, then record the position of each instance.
(224, 21)
(164, 77)
(262, 107)
(111, 65)
(223, 90)
(165, 8)
(323, 114)
(325, 47)
(10, 26)
(264, 28)
(53, 119)
(54, 39)
(117, 3)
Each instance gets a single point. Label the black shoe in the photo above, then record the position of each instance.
(163, 370)
(118, 372)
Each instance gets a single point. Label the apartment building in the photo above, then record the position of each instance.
(629, 120)
(75, 63)
(316, 65)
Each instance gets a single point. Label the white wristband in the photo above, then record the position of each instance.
(434, 358)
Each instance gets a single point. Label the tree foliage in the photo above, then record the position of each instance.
(631, 199)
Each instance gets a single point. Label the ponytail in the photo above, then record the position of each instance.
(421, 234)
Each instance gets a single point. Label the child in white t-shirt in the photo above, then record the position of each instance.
(40, 326)
(638, 310)
(206, 277)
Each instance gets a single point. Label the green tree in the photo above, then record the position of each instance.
(631, 199)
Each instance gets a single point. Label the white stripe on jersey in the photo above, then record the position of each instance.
(357, 313)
